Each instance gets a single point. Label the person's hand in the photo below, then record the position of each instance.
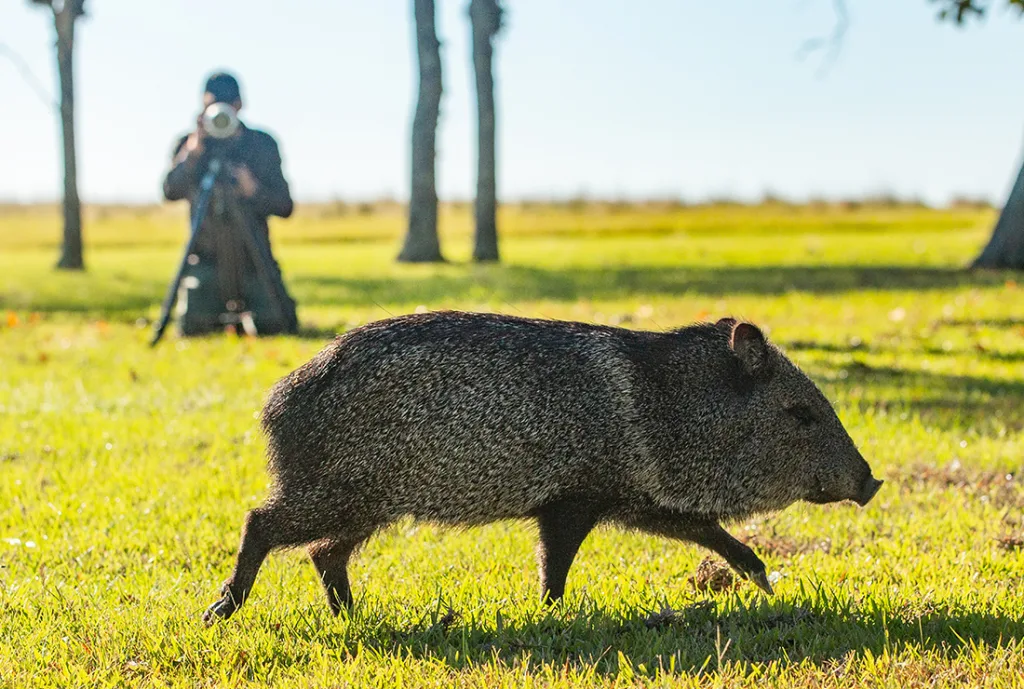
(245, 181)
(193, 147)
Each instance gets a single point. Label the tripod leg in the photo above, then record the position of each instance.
(230, 257)
(248, 325)
(261, 261)
(199, 215)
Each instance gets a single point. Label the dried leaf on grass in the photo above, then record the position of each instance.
(713, 575)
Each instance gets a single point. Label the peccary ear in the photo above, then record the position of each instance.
(751, 348)
(726, 324)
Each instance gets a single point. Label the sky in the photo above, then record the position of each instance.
(615, 98)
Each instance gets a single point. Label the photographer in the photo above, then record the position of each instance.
(253, 187)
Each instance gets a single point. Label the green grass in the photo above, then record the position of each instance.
(126, 471)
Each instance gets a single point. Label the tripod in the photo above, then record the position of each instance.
(213, 191)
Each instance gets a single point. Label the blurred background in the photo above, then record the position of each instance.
(604, 98)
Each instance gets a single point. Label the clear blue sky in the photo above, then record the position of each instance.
(607, 97)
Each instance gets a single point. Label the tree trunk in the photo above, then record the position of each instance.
(485, 17)
(71, 249)
(1005, 249)
(421, 243)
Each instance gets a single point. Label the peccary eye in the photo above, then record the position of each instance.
(802, 413)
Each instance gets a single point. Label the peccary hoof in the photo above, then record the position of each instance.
(761, 579)
(222, 609)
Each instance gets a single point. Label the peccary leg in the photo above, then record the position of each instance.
(739, 556)
(265, 528)
(709, 534)
(330, 557)
(563, 527)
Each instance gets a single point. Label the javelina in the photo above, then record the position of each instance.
(463, 419)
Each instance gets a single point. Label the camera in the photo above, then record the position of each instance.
(220, 120)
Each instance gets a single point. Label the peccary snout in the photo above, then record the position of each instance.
(838, 483)
(868, 490)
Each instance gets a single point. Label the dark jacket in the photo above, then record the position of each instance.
(256, 150)
(218, 251)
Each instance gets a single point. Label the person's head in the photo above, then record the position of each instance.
(222, 87)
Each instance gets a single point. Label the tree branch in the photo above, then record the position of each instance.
(488, 15)
(75, 7)
(962, 11)
(28, 77)
(832, 43)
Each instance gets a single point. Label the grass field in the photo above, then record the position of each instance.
(126, 471)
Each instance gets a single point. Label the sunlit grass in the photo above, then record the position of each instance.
(125, 472)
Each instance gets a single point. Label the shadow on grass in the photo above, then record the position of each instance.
(456, 284)
(522, 283)
(986, 406)
(309, 332)
(864, 347)
(688, 641)
(983, 323)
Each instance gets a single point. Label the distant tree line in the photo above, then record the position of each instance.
(1005, 249)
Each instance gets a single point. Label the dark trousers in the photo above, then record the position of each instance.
(202, 307)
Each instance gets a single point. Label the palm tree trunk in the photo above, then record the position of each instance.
(71, 247)
(485, 17)
(421, 242)
(1005, 249)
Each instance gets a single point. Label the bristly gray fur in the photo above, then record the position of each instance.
(463, 419)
